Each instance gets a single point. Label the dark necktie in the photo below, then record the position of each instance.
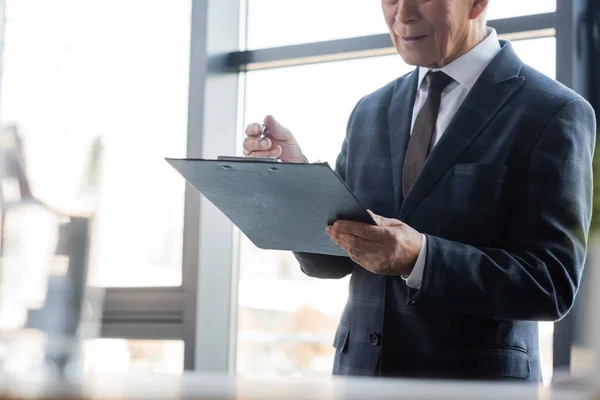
(421, 139)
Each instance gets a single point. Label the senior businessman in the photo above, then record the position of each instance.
(478, 171)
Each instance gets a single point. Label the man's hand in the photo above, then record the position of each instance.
(390, 248)
(278, 142)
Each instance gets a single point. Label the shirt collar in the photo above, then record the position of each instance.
(467, 68)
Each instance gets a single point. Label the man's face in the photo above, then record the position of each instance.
(431, 33)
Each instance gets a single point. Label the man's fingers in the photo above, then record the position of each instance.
(257, 144)
(275, 152)
(350, 249)
(358, 256)
(254, 129)
(365, 231)
(354, 244)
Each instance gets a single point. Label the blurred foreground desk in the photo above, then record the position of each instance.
(115, 387)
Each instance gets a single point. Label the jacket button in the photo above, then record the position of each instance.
(374, 338)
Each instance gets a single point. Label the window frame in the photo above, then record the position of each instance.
(2, 29)
(203, 311)
(177, 312)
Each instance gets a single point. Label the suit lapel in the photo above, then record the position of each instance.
(493, 89)
(400, 117)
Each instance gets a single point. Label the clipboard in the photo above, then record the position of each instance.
(277, 205)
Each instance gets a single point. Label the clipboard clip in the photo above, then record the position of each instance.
(249, 159)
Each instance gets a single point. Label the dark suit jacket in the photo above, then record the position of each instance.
(505, 201)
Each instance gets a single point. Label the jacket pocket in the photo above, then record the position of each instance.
(487, 363)
(485, 171)
(340, 341)
(476, 188)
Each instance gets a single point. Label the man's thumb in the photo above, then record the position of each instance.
(378, 219)
(383, 221)
(276, 130)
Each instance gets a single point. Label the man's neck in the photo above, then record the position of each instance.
(476, 34)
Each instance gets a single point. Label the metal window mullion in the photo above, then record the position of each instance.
(2, 35)
(142, 331)
(191, 226)
(366, 46)
(123, 304)
(143, 313)
(565, 41)
(208, 253)
(572, 69)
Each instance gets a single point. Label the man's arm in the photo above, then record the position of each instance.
(323, 266)
(538, 276)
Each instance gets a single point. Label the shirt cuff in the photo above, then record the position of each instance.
(415, 278)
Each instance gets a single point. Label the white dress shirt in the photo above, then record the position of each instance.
(465, 71)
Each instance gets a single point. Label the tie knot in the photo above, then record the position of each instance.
(438, 81)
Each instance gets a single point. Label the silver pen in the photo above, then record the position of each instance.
(263, 133)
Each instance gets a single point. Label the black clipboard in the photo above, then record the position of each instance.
(277, 205)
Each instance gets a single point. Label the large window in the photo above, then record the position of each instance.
(123, 356)
(285, 22)
(97, 90)
(94, 96)
(539, 54)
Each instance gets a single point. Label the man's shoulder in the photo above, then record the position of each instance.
(545, 91)
(383, 95)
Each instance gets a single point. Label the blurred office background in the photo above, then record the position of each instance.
(94, 95)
